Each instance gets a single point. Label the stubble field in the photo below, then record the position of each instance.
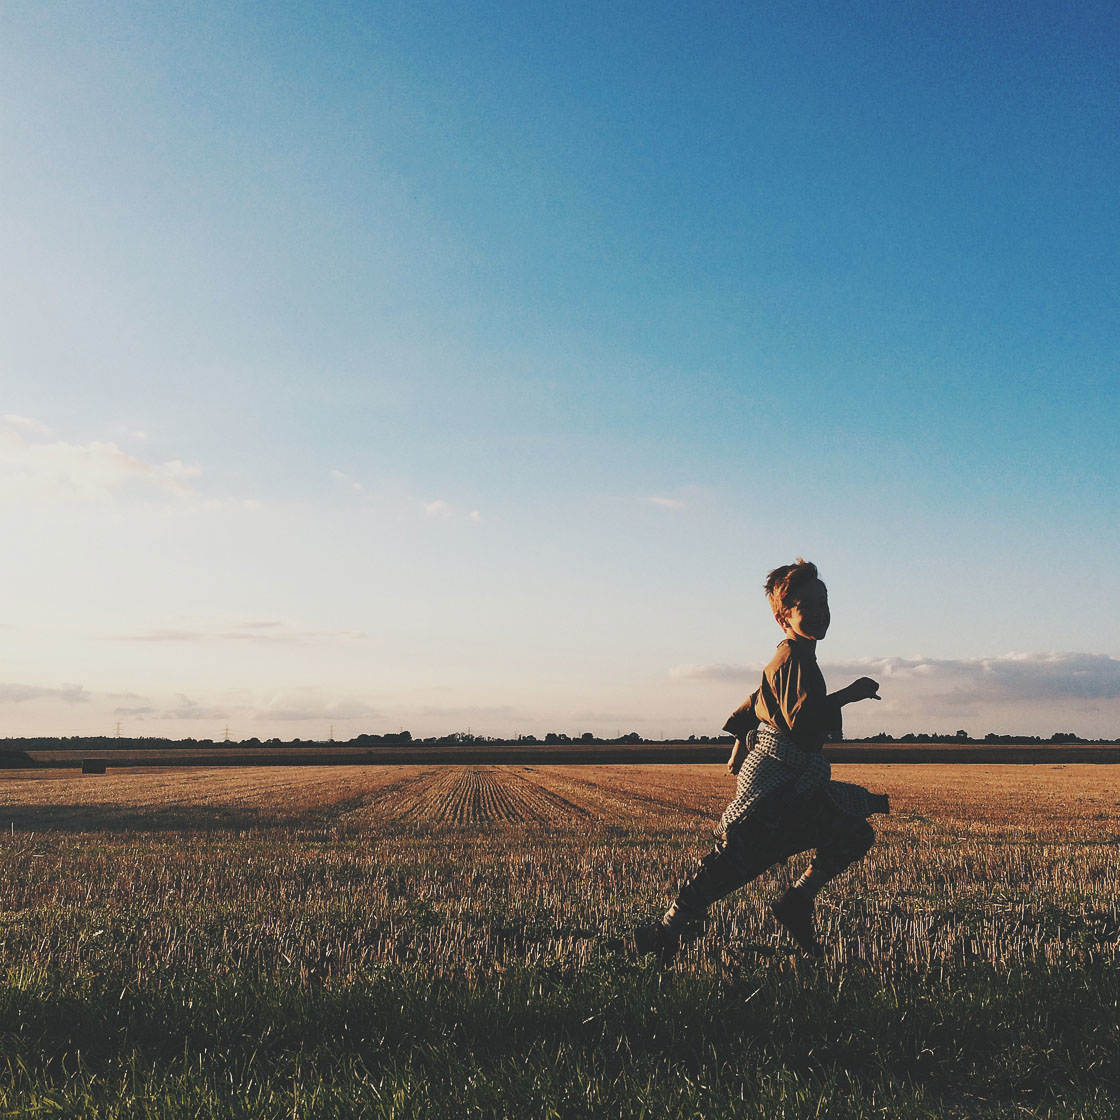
(420, 941)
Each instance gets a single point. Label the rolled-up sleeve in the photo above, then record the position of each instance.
(743, 720)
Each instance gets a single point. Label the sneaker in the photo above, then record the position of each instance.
(653, 937)
(795, 912)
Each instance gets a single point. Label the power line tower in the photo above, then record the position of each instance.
(118, 729)
(330, 738)
(226, 739)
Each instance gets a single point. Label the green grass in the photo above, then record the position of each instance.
(441, 972)
(607, 1040)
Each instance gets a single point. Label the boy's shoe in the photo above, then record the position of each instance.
(653, 937)
(657, 937)
(794, 910)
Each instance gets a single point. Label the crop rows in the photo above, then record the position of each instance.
(473, 797)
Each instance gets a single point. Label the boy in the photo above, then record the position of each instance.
(785, 802)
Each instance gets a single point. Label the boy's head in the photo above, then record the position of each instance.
(799, 600)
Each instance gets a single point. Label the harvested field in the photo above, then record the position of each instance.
(431, 941)
(480, 796)
(220, 797)
(1040, 800)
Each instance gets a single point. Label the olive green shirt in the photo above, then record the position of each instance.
(792, 698)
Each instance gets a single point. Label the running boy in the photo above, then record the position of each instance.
(785, 801)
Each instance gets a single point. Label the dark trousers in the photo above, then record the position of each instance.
(771, 834)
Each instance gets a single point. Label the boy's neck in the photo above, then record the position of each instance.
(798, 640)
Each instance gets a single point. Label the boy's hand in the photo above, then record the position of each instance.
(864, 689)
(738, 753)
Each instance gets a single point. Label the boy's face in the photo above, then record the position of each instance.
(806, 616)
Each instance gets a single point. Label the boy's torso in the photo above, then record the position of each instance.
(792, 697)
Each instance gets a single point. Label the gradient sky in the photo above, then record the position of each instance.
(444, 366)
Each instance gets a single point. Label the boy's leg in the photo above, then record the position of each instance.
(745, 853)
(835, 856)
(726, 868)
(845, 842)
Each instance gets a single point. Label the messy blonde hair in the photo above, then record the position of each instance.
(782, 582)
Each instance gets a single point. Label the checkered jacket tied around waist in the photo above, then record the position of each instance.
(778, 774)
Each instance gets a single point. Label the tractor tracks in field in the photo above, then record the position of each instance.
(468, 796)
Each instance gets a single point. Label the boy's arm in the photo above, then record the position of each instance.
(738, 753)
(740, 723)
(743, 719)
(863, 689)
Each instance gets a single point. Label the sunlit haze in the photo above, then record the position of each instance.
(440, 366)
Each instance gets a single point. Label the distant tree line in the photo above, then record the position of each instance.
(991, 737)
(467, 738)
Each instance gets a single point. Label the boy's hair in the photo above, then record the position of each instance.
(782, 582)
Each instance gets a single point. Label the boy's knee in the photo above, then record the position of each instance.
(718, 874)
(863, 837)
(749, 853)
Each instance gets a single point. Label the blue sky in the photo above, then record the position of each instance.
(469, 365)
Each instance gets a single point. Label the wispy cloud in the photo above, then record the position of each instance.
(297, 705)
(679, 497)
(346, 481)
(34, 466)
(256, 630)
(162, 635)
(441, 510)
(25, 423)
(21, 693)
(718, 672)
(471, 712)
(186, 708)
(437, 508)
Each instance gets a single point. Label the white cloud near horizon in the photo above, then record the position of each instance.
(298, 705)
(21, 693)
(291, 705)
(719, 671)
(256, 630)
(1012, 676)
(26, 423)
(193, 709)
